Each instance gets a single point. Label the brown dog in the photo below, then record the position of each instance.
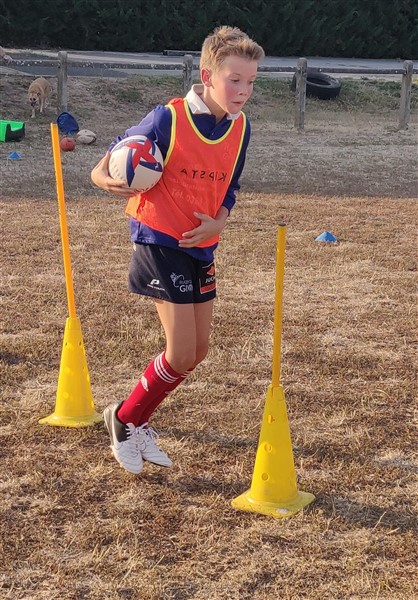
(39, 90)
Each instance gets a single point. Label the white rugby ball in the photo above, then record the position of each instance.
(85, 136)
(138, 161)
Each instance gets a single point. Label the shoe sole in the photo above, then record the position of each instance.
(107, 417)
(157, 463)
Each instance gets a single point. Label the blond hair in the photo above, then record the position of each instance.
(228, 41)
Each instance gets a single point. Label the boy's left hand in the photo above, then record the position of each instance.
(207, 229)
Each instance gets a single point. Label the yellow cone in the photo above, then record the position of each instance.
(74, 403)
(273, 490)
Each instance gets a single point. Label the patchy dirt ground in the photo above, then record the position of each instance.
(74, 525)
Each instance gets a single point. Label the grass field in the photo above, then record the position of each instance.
(74, 525)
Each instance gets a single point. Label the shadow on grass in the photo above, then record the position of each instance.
(191, 486)
(353, 513)
(370, 516)
(207, 437)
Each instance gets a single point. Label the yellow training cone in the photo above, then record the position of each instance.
(74, 403)
(273, 489)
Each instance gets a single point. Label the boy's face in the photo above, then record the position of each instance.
(228, 88)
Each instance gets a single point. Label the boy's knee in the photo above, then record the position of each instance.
(182, 361)
(201, 353)
(187, 358)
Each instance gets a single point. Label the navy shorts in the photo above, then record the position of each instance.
(170, 274)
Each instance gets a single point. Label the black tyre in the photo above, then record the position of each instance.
(320, 85)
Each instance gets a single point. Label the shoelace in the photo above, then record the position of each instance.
(132, 436)
(151, 435)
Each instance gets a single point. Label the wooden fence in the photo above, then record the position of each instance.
(406, 89)
(301, 71)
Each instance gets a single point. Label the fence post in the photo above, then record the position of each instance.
(301, 75)
(405, 109)
(187, 72)
(62, 92)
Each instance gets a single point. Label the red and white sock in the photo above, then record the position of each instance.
(152, 406)
(156, 382)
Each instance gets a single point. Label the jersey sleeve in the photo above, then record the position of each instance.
(156, 125)
(234, 186)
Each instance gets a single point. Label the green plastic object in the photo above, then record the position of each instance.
(12, 131)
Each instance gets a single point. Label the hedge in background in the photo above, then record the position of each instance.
(346, 28)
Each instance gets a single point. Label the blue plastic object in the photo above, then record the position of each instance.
(326, 236)
(14, 156)
(67, 124)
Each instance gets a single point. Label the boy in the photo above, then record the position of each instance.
(175, 227)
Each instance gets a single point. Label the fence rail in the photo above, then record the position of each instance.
(180, 67)
(62, 63)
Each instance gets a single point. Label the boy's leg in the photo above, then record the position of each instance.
(203, 312)
(163, 372)
(160, 377)
(152, 406)
(189, 322)
(203, 320)
(178, 321)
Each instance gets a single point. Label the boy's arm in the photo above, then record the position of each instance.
(209, 227)
(234, 186)
(157, 126)
(100, 176)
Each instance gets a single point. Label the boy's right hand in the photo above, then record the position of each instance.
(100, 176)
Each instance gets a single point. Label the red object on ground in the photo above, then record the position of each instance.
(67, 144)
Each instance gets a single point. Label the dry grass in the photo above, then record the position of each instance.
(74, 525)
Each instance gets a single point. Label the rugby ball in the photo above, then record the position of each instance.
(85, 136)
(138, 161)
(67, 144)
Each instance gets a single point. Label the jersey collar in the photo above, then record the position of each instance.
(198, 107)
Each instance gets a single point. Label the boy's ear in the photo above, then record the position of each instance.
(206, 77)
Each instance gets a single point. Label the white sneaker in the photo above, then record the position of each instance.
(125, 443)
(149, 449)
